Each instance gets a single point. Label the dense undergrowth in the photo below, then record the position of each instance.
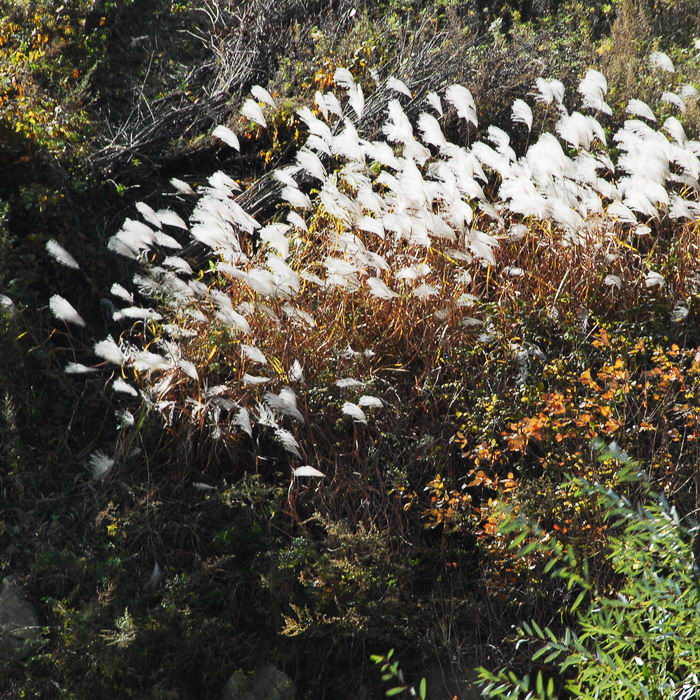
(160, 515)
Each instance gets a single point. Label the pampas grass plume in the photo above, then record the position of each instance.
(63, 311)
(61, 255)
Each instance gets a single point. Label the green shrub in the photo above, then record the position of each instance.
(636, 638)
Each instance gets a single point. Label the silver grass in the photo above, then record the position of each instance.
(170, 218)
(78, 368)
(295, 313)
(138, 313)
(101, 464)
(274, 235)
(311, 163)
(424, 291)
(145, 361)
(181, 186)
(296, 221)
(307, 470)
(109, 350)
(242, 420)
(370, 402)
(285, 403)
(433, 99)
(253, 380)
(343, 78)
(321, 103)
(123, 387)
(284, 176)
(521, 113)
(549, 91)
(251, 111)
(296, 373)
(227, 136)
(64, 311)
(398, 86)
(296, 198)
(332, 105)
(287, 440)
(354, 411)
(659, 59)
(188, 368)
(315, 125)
(640, 109)
(654, 279)
(356, 99)
(262, 95)
(461, 99)
(61, 255)
(593, 89)
(349, 383)
(613, 281)
(431, 131)
(253, 353)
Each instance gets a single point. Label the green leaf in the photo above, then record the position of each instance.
(423, 689)
(578, 601)
(395, 691)
(528, 548)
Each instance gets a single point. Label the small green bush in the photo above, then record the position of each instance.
(636, 638)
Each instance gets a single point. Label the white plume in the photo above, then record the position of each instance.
(379, 289)
(306, 470)
(357, 100)
(170, 218)
(252, 380)
(461, 99)
(61, 255)
(640, 109)
(110, 351)
(398, 86)
(296, 221)
(296, 198)
(521, 113)
(659, 59)
(101, 464)
(227, 136)
(63, 311)
(242, 420)
(253, 354)
(287, 440)
(549, 91)
(593, 88)
(262, 95)
(674, 99)
(355, 412)
(296, 373)
(285, 403)
(310, 162)
(349, 383)
(78, 368)
(370, 402)
(433, 99)
(654, 279)
(430, 128)
(181, 186)
(251, 110)
(613, 281)
(120, 385)
(343, 78)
